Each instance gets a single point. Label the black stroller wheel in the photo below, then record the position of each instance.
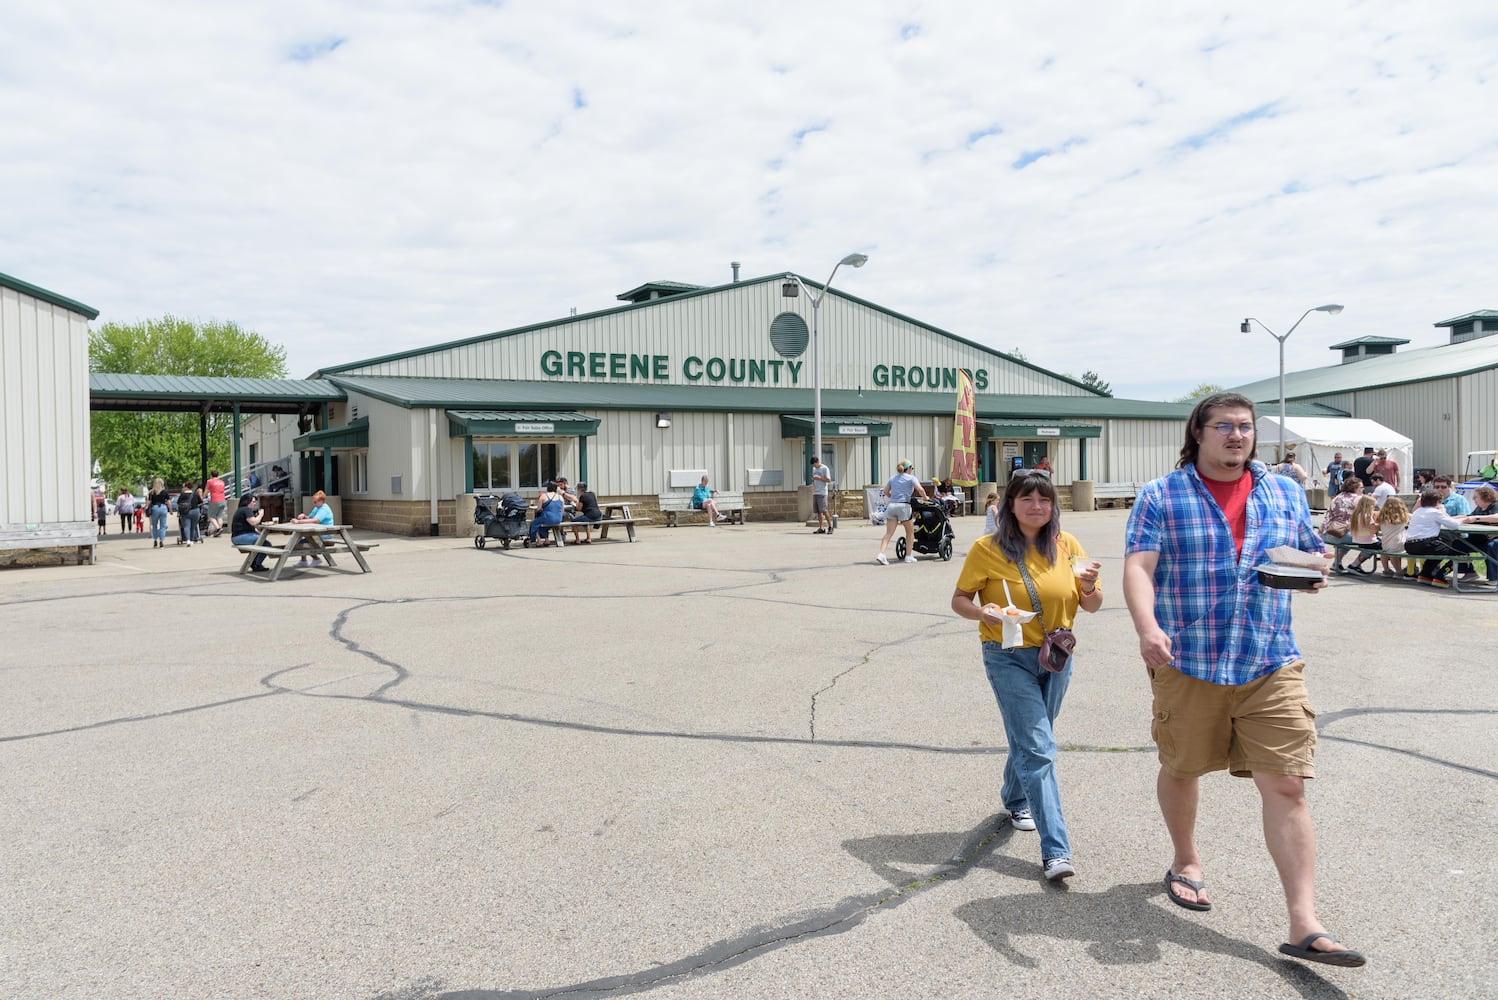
(505, 544)
(479, 541)
(899, 548)
(946, 551)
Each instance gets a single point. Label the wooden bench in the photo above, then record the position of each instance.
(1411, 562)
(1114, 491)
(679, 505)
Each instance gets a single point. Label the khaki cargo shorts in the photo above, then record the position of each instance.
(1266, 725)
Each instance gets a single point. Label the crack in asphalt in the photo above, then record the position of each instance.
(837, 918)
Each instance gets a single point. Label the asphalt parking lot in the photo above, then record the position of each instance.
(731, 762)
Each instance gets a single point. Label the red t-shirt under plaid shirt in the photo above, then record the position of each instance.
(1233, 499)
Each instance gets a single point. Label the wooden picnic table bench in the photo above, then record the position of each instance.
(307, 538)
(678, 505)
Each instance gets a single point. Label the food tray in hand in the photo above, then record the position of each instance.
(1282, 577)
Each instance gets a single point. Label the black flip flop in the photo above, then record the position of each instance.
(1189, 904)
(1348, 959)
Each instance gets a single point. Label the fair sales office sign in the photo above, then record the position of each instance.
(537, 428)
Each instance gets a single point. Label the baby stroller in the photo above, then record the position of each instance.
(932, 529)
(502, 518)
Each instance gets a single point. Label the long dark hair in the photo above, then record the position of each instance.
(1197, 422)
(1008, 535)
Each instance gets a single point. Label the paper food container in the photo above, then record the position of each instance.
(1282, 577)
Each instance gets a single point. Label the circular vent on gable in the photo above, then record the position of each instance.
(788, 335)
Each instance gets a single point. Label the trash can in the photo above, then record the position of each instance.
(1081, 495)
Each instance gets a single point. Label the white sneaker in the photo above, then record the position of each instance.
(1058, 868)
(722, 517)
(1021, 819)
(910, 558)
(189, 544)
(882, 559)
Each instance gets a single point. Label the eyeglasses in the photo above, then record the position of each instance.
(1224, 428)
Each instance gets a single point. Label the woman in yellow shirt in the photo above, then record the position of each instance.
(1029, 531)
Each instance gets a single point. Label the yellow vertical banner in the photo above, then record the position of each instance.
(965, 433)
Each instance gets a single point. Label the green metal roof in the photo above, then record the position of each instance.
(1374, 341)
(1054, 428)
(797, 425)
(354, 434)
(37, 292)
(1479, 314)
(483, 394)
(189, 393)
(680, 296)
(641, 292)
(532, 423)
(1403, 368)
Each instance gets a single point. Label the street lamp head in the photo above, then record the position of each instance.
(859, 260)
(1243, 327)
(790, 289)
(1333, 309)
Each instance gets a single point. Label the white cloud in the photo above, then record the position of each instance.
(354, 179)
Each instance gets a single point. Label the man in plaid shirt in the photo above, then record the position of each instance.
(1227, 678)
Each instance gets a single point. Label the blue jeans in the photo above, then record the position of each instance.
(1029, 699)
(249, 538)
(541, 526)
(158, 523)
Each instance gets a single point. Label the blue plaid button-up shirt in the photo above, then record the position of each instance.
(1224, 626)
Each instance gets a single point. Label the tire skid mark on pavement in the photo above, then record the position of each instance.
(840, 917)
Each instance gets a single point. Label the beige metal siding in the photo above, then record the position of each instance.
(44, 443)
(733, 324)
(1136, 451)
(1424, 412)
(1477, 428)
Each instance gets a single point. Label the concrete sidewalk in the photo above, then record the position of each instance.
(730, 762)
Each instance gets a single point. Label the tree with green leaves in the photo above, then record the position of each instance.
(1093, 380)
(1205, 389)
(134, 448)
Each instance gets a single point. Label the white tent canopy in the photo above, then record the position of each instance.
(1316, 439)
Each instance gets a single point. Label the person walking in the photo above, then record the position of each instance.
(901, 487)
(158, 504)
(1029, 554)
(821, 478)
(124, 505)
(1227, 677)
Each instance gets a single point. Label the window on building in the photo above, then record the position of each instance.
(491, 465)
(537, 463)
(513, 465)
(359, 472)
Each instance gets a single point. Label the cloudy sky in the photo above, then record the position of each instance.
(1106, 185)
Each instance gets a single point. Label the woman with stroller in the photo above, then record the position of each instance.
(901, 487)
(1029, 553)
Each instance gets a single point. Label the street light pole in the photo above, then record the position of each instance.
(1243, 327)
(789, 290)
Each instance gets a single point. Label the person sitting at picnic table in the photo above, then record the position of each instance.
(702, 499)
(1485, 501)
(1338, 520)
(1433, 532)
(588, 514)
(548, 514)
(242, 529)
(320, 513)
(947, 494)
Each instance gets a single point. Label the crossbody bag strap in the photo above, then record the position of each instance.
(1024, 575)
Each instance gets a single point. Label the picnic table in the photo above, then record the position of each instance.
(303, 538)
(615, 515)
